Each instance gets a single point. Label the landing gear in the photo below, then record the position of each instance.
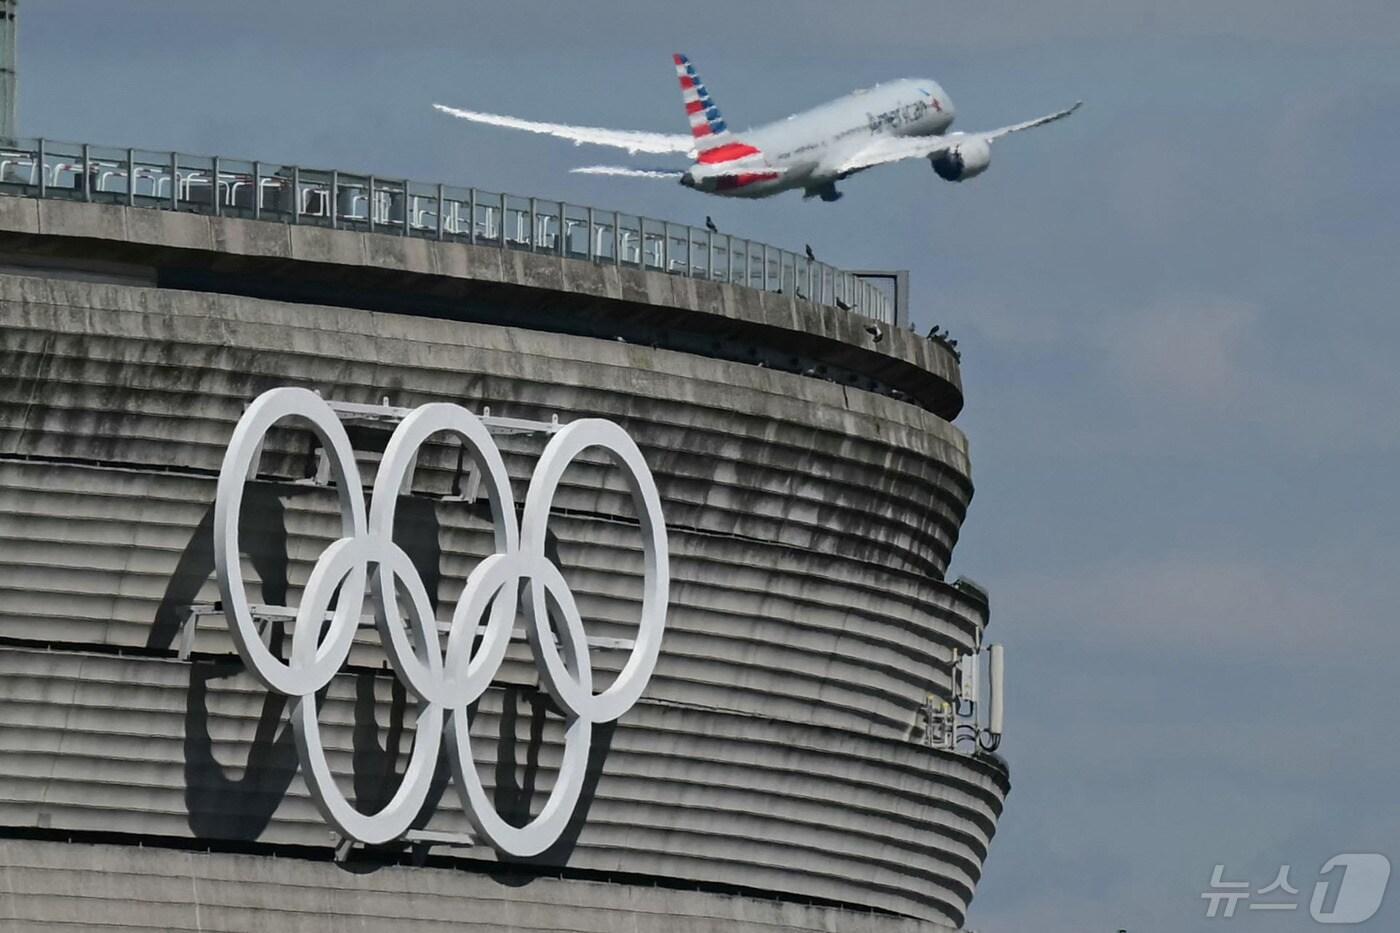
(826, 192)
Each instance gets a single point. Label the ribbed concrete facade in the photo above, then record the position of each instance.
(767, 779)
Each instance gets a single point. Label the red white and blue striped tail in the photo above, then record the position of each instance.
(706, 124)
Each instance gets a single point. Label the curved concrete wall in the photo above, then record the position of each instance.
(120, 888)
(247, 256)
(811, 524)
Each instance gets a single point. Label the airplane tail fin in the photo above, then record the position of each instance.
(706, 123)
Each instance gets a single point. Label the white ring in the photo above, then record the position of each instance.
(239, 464)
(632, 679)
(444, 688)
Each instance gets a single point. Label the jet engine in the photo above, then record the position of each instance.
(963, 160)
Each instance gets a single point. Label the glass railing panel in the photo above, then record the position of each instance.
(274, 191)
(108, 172)
(63, 169)
(653, 244)
(456, 210)
(19, 166)
(630, 232)
(605, 234)
(195, 183)
(422, 205)
(698, 242)
(236, 187)
(483, 213)
(773, 267)
(516, 222)
(717, 257)
(312, 197)
(677, 256)
(576, 232)
(738, 259)
(545, 225)
(788, 268)
(350, 199)
(389, 205)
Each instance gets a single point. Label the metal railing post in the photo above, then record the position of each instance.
(334, 200)
(373, 204)
(501, 224)
(174, 181)
(257, 191)
(87, 174)
(215, 207)
(130, 177)
(407, 209)
(442, 210)
(471, 197)
(296, 194)
(563, 229)
(592, 251)
(665, 246)
(617, 240)
(534, 213)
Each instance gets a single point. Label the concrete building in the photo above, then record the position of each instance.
(775, 775)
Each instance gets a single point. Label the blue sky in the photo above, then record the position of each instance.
(1177, 312)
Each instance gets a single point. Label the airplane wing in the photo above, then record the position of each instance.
(896, 148)
(631, 140)
(728, 170)
(627, 171)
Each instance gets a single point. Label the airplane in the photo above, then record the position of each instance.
(812, 150)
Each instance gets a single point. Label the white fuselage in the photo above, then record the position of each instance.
(805, 149)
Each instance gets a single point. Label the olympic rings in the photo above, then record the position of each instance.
(444, 682)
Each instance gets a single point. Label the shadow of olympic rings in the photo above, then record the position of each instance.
(239, 803)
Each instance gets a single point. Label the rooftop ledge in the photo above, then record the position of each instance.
(612, 266)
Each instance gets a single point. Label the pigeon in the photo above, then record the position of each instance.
(810, 255)
(875, 332)
(710, 224)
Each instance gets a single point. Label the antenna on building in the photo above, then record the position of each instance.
(9, 67)
(996, 689)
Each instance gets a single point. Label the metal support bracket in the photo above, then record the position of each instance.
(422, 838)
(386, 415)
